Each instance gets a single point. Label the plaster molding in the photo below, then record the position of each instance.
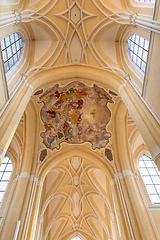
(33, 178)
(25, 79)
(127, 78)
(23, 175)
(40, 219)
(40, 184)
(79, 173)
(27, 175)
(122, 175)
(18, 17)
(132, 19)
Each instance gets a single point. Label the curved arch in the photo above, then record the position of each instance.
(76, 238)
(71, 151)
(64, 194)
(86, 73)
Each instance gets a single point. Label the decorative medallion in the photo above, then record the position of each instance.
(108, 154)
(43, 155)
(75, 114)
(38, 92)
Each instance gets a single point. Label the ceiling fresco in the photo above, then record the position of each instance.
(75, 114)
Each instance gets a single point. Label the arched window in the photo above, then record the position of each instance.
(151, 177)
(138, 50)
(11, 46)
(76, 238)
(146, 1)
(5, 173)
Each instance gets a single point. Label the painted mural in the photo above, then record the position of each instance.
(75, 114)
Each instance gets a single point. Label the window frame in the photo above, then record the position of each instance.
(150, 176)
(145, 1)
(75, 238)
(2, 176)
(13, 39)
(77, 234)
(136, 3)
(137, 78)
(16, 69)
(138, 50)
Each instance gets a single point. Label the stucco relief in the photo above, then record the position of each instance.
(75, 114)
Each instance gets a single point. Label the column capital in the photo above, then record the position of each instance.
(133, 19)
(18, 16)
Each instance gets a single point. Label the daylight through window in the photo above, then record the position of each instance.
(147, 1)
(12, 46)
(138, 50)
(151, 177)
(76, 238)
(5, 173)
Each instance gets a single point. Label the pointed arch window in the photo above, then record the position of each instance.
(76, 238)
(146, 1)
(5, 173)
(151, 177)
(138, 51)
(11, 46)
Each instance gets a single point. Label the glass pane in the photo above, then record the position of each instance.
(3, 186)
(152, 189)
(14, 48)
(152, 171)
(157, 188)
(5, 173)
(147, 180)
(144, 172)
(11, 45)
(15, 58)
(5, 57)
(146, 1)
(141, 164)
(151, 177)
(137, 39)
(138, 50)
(7, 41)
(148, 164)
(146, 44)
(143, 66)
(144, 56)
(2, 44)
(6, 66)
(9, 168)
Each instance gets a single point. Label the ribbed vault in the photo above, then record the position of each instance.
(76, 199)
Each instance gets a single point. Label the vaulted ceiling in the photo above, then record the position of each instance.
(65, 32)
(76, 192)
(76, 197)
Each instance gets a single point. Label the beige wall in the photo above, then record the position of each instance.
(90, 47)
